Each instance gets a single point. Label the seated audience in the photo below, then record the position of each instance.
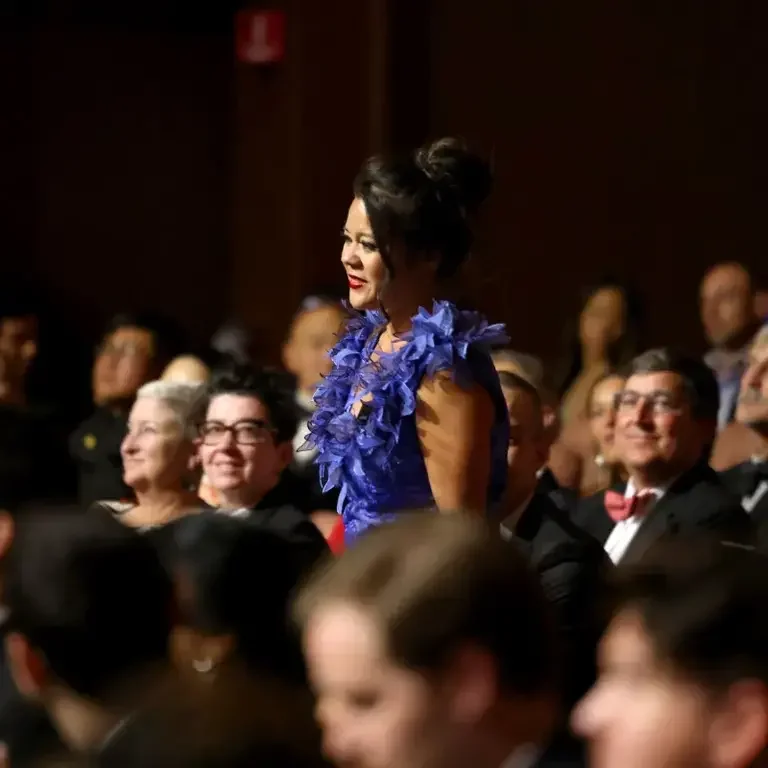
(134, 350)
(606, 338)
(226, 628)
(749, 479)
(601, 467)
(89, 622)
(243, 691)
(563, 464)
(33, 458)
(666, 422)
(246, 450)
(430, 643)
(306, 354)
(159, 455)
(684, 664)
(730, 322)
(570, 563)
(186, 369)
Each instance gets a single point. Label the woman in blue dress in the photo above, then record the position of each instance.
(411, 415)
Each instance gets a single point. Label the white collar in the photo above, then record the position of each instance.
(658, 492)
(304, 401)
(524, 756)
(509, 523)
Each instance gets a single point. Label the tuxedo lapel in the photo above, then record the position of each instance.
(662, 519)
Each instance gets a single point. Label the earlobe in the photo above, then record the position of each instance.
(740, 731)
(6, 532)
(472, 685)
(28, 669)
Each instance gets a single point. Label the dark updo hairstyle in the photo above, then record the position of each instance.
(425, 201)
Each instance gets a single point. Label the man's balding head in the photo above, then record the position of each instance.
(727, 304)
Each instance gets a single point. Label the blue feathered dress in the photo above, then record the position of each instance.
(375, 458)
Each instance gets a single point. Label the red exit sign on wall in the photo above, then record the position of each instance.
(260, 36)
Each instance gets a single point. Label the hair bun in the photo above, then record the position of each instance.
(451, 166)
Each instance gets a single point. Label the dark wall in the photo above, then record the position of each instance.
(624, 134)
(119, 158)
(141, 165)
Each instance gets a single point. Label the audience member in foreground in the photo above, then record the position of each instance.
(25, 728)
(749, 479)
(684, 664)
(430, 643)
(89, 622)
(242, 697)
(666, 422)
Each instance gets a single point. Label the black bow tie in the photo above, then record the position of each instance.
(752, 474)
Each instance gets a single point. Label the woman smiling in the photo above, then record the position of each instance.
(159, 454)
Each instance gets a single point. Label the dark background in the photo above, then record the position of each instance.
(142, 166)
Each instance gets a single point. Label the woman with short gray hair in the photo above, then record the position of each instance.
(159, 454)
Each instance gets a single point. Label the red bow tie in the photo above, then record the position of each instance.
(621, 508)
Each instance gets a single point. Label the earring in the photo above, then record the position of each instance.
(204, 666)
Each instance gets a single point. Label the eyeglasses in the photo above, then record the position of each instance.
(245, 432)
(661, 402)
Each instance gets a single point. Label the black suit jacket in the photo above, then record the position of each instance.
(565, 498)
(572, 567)
(733, 480)
(697, 501)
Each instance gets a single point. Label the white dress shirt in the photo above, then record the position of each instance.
(307, 455)
(750, 502)
(524, 756)
(509, 523)
(617, 543)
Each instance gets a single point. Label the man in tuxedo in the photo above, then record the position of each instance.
(749, 480)
(570, 563)
(665, 426)
(565, 461)
(684, 664)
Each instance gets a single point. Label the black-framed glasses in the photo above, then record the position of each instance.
(244, 432)
(660, 401)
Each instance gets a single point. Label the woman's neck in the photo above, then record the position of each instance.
(162, 504)
(400, 315)
(593, 357)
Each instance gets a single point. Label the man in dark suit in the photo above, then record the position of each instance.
(665, 427)
(749, 480)
(570, 563)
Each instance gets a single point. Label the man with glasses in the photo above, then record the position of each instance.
(246, 447)
(666, 422)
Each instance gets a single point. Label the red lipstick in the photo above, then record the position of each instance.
(354, 282)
